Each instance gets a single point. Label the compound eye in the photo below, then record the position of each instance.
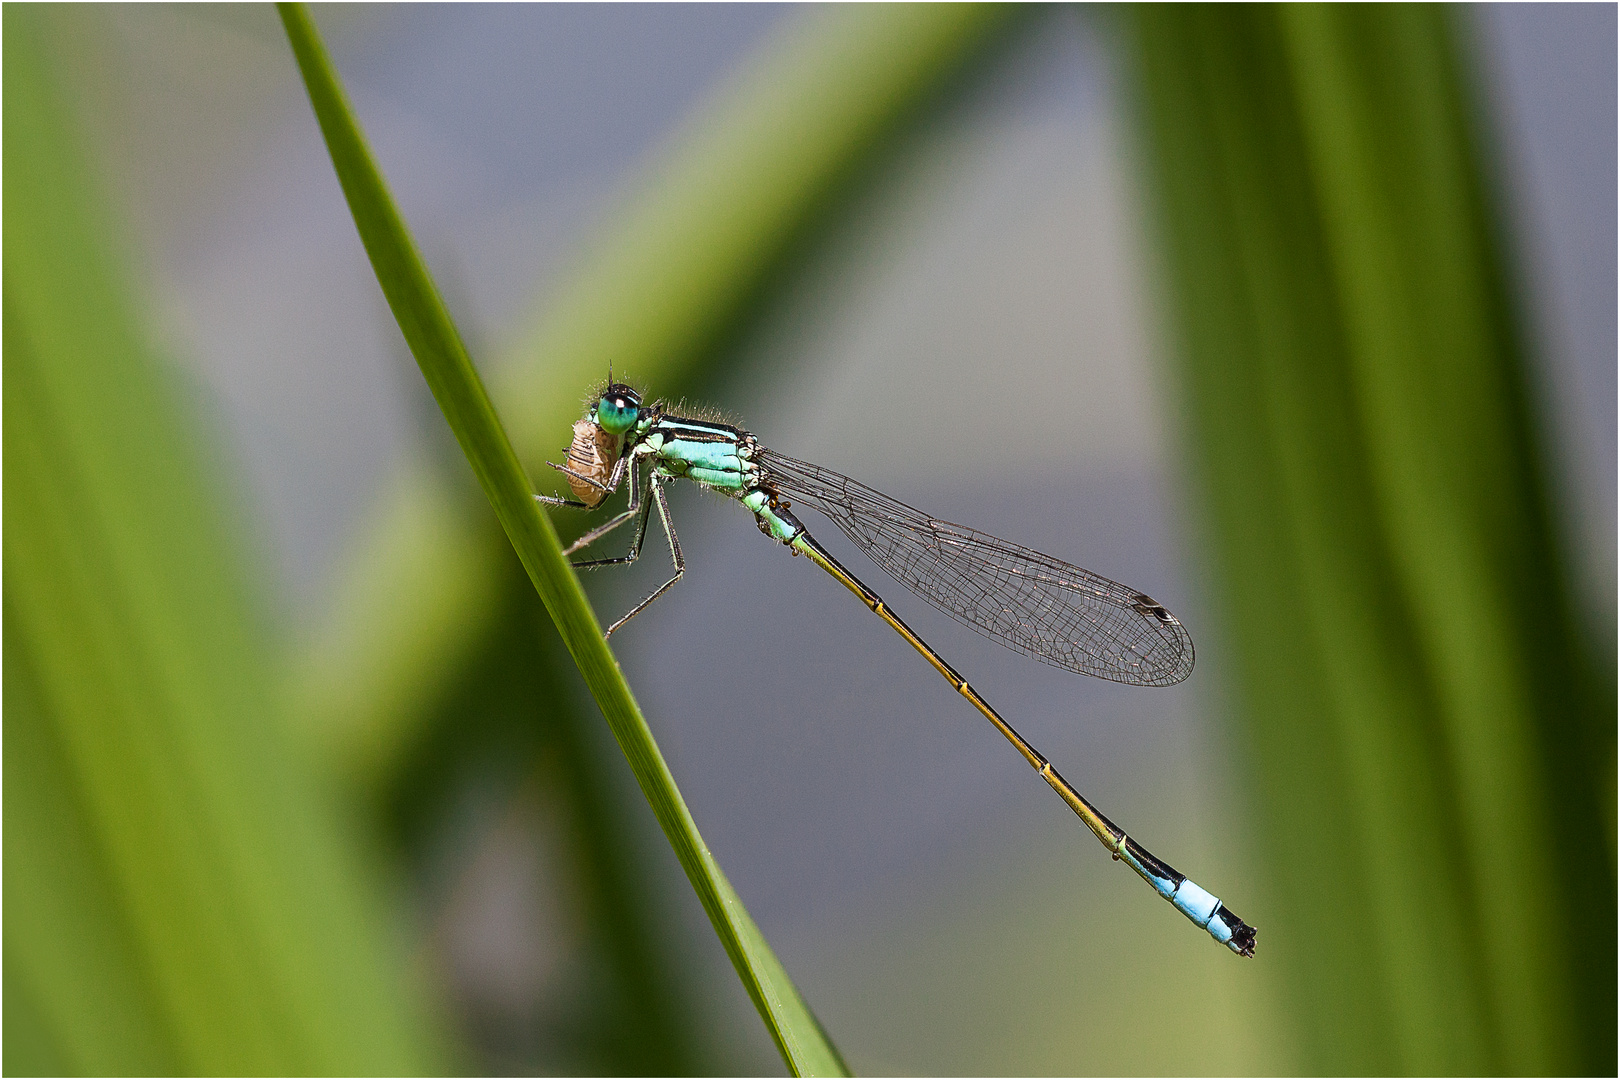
(616, 413)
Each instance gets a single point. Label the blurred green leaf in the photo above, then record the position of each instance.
(459, 390)
(179, 898)
(1430, 747)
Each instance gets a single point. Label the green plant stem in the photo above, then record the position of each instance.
(459, 390)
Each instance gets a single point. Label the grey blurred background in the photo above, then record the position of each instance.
(931, 899)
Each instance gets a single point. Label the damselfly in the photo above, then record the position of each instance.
(1057, 613)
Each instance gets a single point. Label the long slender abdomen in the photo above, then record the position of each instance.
(1202, 907)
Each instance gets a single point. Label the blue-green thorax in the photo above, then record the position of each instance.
(715, 455)
(718, 456)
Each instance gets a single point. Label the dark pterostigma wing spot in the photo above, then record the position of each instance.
(1040, 606)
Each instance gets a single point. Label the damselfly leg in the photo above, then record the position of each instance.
(638, 510)
(674, 550)
(574, 504)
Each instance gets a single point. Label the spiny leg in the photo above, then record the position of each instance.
(1205, 910)
(557, 500)
(640, 507)
(637, 506)
(574, 504)
(674, 551)
(606, 489)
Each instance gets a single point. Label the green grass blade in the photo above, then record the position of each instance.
(1429, 760)
(459, 390)
(678, 269)
(178, 899)
(412, 652)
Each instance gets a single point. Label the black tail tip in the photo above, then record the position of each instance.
(1242, 939)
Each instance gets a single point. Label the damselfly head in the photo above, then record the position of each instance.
(618, 409)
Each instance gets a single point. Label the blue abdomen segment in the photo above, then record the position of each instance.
(1189, 898)
(774, 521)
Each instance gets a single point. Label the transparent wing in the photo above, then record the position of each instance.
(1057, 613)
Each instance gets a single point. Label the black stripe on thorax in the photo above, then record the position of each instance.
(678, 427)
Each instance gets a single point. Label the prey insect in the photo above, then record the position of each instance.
(1040, 606)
